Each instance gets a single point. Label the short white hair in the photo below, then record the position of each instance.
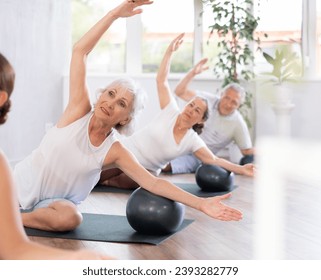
(238, 88)
(139, 98)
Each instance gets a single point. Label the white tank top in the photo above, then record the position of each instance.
(65, 165)
(154, 145)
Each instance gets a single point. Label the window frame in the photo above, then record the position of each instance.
(308, 37)
(134, 30)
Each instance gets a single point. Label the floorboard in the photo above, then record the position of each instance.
(210, 239)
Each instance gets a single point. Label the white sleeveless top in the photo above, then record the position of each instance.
(65, 165)
(154, 145)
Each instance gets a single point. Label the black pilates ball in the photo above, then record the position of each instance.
(148, 213)
(212, 178)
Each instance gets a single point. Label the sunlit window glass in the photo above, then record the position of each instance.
(318, 41)
(210, 49)
(109, 54)
(160, 26)
(281, 21)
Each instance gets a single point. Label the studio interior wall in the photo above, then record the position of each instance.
(35, 37)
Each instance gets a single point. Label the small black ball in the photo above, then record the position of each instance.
(247, 159)
(148, 213)
(212, 178)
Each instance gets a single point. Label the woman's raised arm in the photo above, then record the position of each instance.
(79, 102)
(164, 94)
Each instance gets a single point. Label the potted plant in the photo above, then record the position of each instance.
(234, 25)
(286, 68)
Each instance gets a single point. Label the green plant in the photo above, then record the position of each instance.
(287, 66)
(234, 25)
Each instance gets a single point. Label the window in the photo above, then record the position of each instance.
(109, 54)
(318, 38)
(164, 20)
(283, 30)
(148, 35)
(209, 49)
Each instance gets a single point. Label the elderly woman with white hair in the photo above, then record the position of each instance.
(66, 166)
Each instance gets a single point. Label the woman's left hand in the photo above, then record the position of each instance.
(248, 169)
(214, 208)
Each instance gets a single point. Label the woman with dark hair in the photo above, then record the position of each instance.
(7, 79)
(171, 134)
(14, 243)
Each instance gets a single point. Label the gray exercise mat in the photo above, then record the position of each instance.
(110, 189)
(189, 187)
(106, 228)
(196, 190)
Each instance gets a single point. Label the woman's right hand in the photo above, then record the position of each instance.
(129, 8)
(199, 67)
(175, 44)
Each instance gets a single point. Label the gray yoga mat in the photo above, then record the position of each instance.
(109, 189)
(106, 228)
(189, 187)
(196, 190)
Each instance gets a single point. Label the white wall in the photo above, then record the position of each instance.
(305, 117)
(35, 37)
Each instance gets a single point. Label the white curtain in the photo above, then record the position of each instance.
(35, 37)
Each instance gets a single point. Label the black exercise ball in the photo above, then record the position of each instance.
(212, 178)
(151, 214)
(247, 159)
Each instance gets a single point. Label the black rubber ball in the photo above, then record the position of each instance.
(148, 213)
(247, 159)
(212, 178)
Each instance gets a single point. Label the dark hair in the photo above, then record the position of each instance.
(7, 79)
(198, 127)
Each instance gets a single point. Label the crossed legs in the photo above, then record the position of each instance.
(60, 215)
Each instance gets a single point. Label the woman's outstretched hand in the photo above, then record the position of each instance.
(214, 208)
(248, 169)
(129, 8)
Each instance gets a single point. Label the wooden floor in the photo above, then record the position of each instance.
(207, 238)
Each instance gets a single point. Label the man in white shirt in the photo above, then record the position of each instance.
(224, 126)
